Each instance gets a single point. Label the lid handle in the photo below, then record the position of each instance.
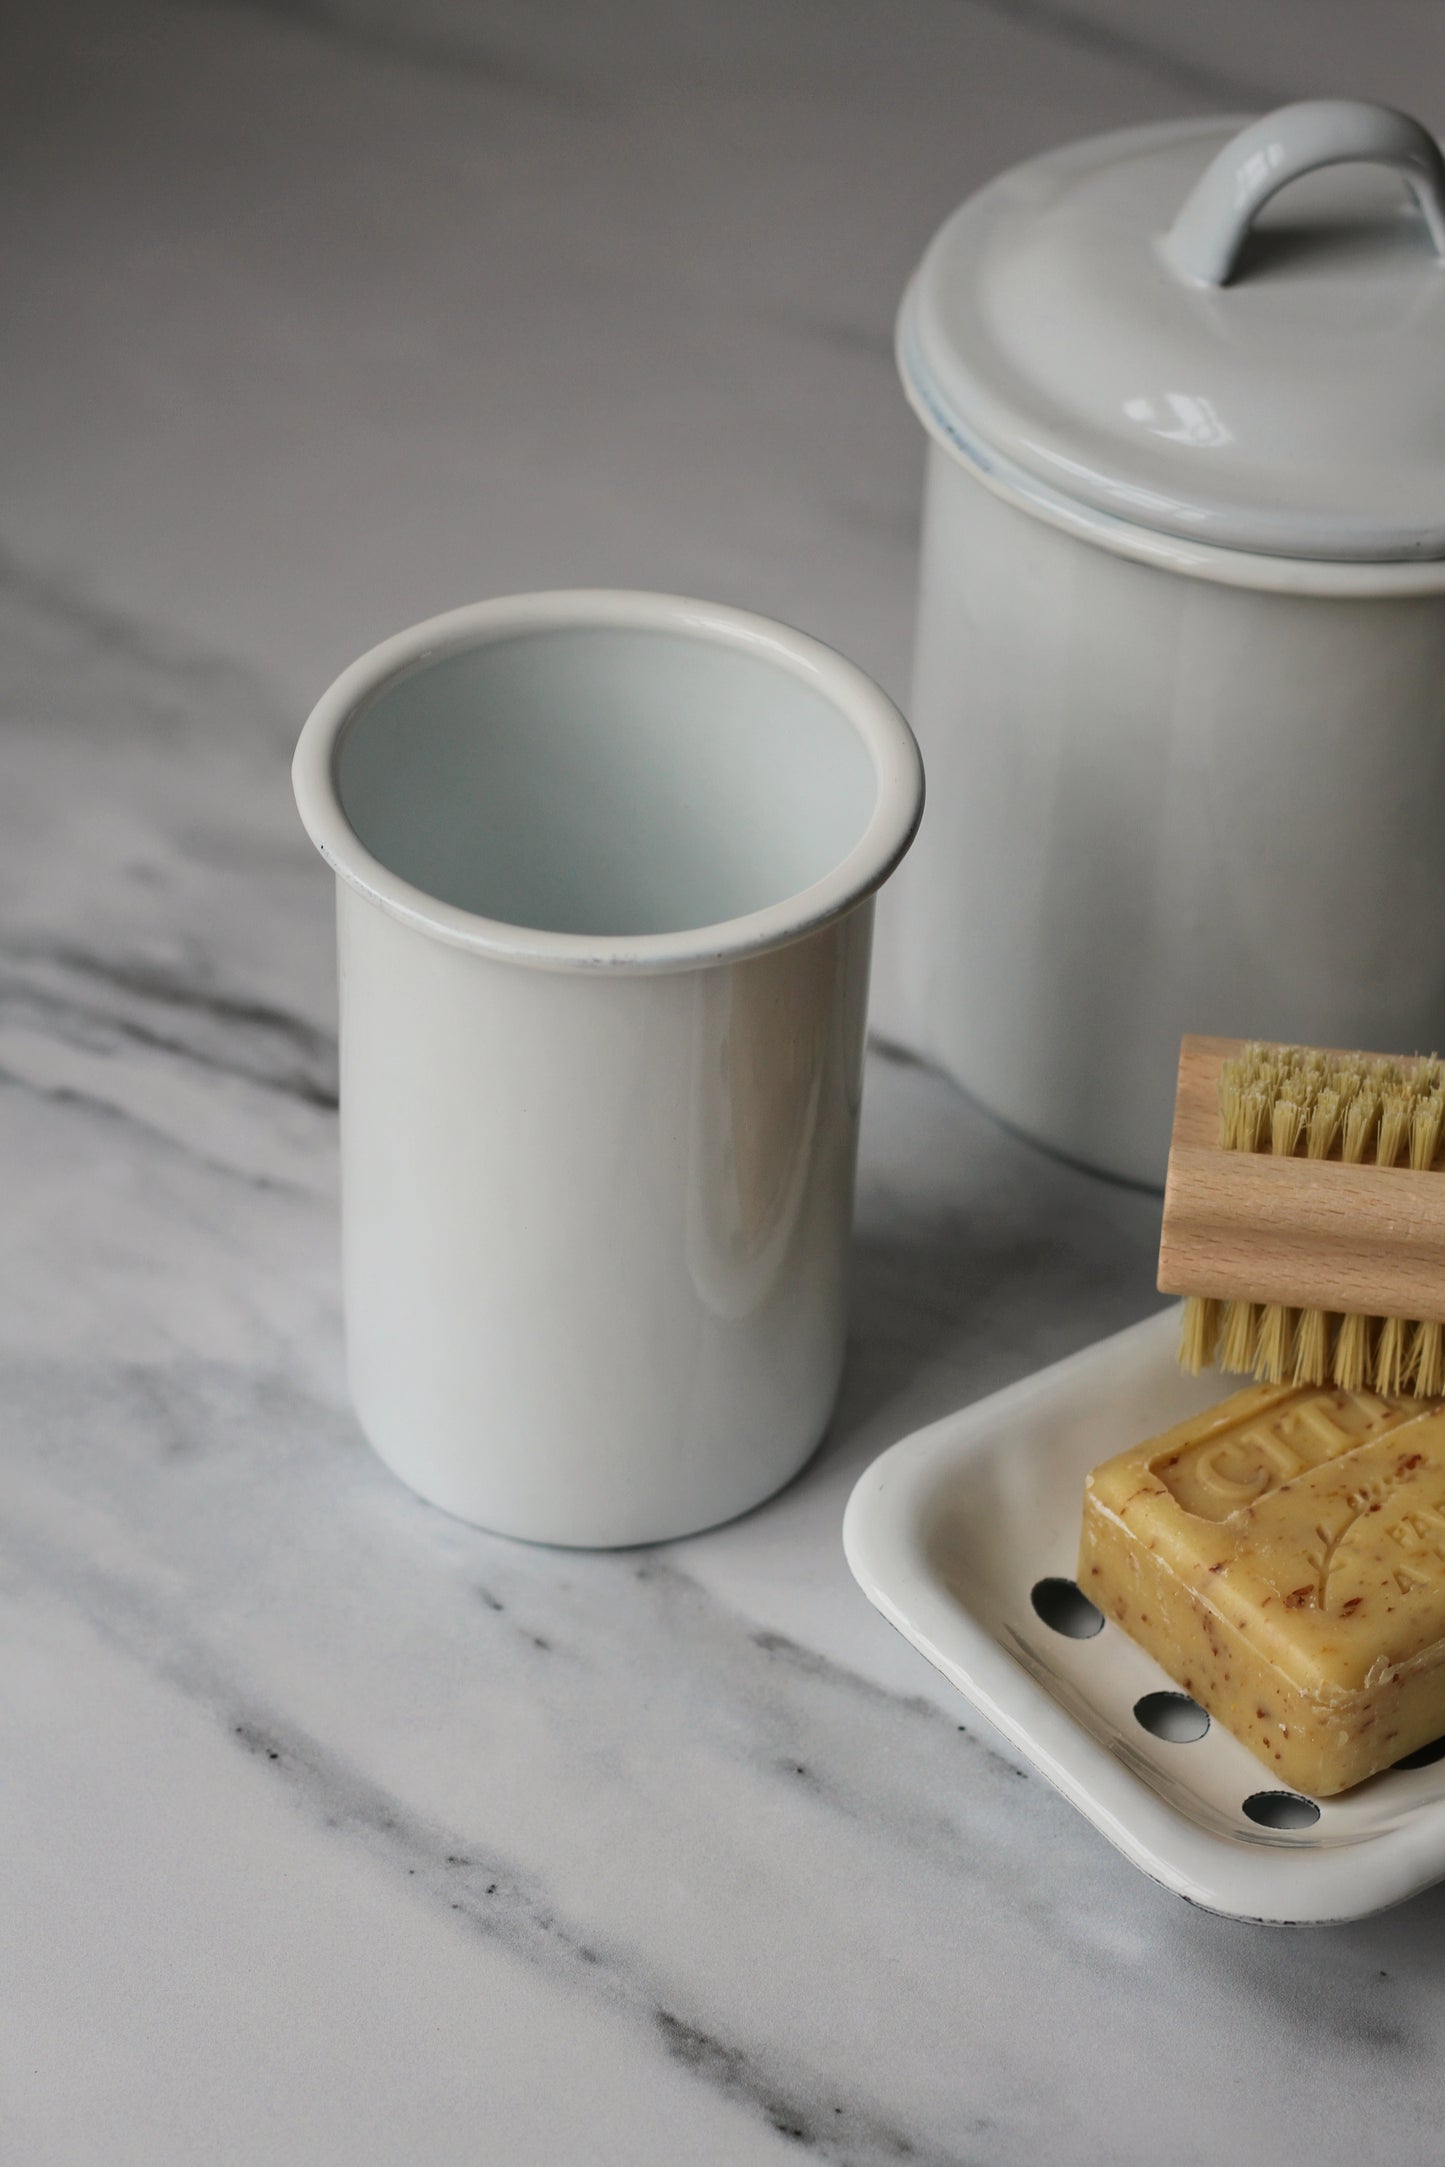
(1205, 239)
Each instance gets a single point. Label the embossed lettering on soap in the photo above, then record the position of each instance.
(1235, 1468)
(1244, 1461)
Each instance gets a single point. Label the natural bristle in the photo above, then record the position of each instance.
(1427, 1361)
(1390, 1346)
(1312, 1348)
(1275, 1343)
(1286, 1126)
(1287, 1099)
(1352, 1352)
(1325, 1116)
(1396, 1110)
(1389, 1355)
(1238, 1337)
(1198, 1331)
(1425, 1125)
(1362, 1120)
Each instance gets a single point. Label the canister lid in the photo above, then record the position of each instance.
(1232, 332)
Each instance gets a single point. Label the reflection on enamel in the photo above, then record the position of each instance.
(1255, 170)
(1195, 420)
(776, 1108)
(756, 1121)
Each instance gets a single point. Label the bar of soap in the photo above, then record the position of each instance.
(1283, 1557)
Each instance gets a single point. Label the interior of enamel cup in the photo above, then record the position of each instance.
(605, 780)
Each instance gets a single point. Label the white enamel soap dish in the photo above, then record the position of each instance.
(965, 1536)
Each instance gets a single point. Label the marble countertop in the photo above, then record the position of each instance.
(330, 1829)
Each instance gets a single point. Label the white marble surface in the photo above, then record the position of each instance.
(329, 1829)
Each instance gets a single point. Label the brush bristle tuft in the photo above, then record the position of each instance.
(1426, 1122)
(1198, 1332)
(1275, 1343)
(1380, 1111)
(1427, 1361)
(1352, 1352)
(1312, 1347)
(1391, 1346)
(1238, 1337)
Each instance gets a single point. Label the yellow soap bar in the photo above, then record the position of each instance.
(1283, 1557)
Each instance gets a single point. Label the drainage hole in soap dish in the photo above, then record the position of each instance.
(1424, 1756)
(1066, 1609)
(1174, 1717)
(1281, 1809)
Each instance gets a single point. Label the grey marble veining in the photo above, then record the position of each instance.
(331, 1829)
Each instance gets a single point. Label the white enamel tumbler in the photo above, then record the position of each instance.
(605, 866)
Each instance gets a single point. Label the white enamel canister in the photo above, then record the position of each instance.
(605, 870)
(1180, 669)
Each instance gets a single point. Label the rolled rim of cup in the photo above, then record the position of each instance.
(861, 867)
